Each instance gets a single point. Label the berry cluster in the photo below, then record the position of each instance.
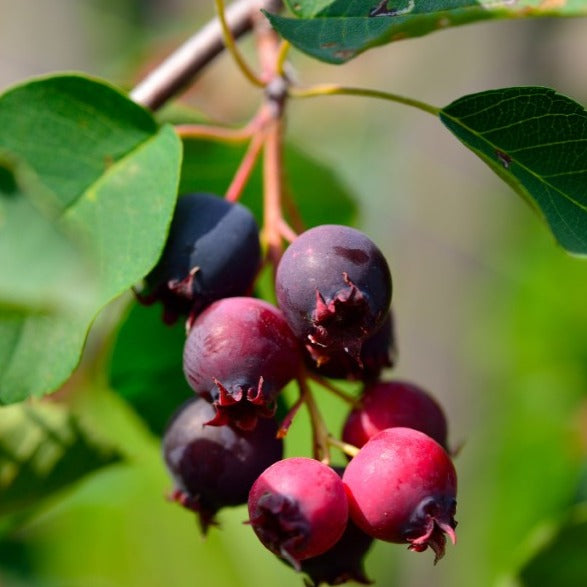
(225, 447)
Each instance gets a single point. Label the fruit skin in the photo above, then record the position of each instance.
(298, 509)
(239, 354)
(402, 488)
(334, 287)
(215, 466)
(389, 404)
(212, 252)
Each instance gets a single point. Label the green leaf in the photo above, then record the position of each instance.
(43, 268)
(560, 556)
(319, 195)
(44, 448)
(536, 140)
(105, 175)
(339, 30)
(146, 367)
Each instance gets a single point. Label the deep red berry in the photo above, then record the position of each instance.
(215, 466)
(212, 252)
(239, 354)
(388, 404)
(342, 562)
(402, 488)
(334, 287)
(377, 352)
(298, 509)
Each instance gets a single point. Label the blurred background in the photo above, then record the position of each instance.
(491, 316)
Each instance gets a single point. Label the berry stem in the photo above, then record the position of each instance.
(345, 447)
(232, 48)
(320, 434)
(220, 134)
(243, 173)
(287, 232)
(334, 89)
(281, 58)
(272, 176)
(346, 397)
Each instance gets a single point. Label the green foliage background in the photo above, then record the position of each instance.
(491, 318)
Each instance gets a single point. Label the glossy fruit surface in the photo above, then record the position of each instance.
(389, 404)
(212, 252)
(215, 466)
(334, 287)
(298, 509)
(402, 488)
(239, 354)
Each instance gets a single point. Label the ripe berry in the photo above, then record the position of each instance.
(389, 404)
(298, 509)
(215, 466)
(334, 287)
(212, 252)
(402, 488)
(239, 354)
(377, 352)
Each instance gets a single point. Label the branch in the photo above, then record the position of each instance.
(189, 59)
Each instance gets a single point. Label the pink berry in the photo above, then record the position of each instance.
(402, 488)
(298, 508)
(389, 404)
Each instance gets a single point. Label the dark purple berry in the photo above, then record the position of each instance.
(239, 354)
(377, 352)
(402, 488)
(388, 404)
(212, 252)
(334, 287)
(298, 509)
(215, 466)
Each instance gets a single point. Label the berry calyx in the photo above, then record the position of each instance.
(402, 488)
(215, 466)
(298, 509)
(239, 354)
(334, 287)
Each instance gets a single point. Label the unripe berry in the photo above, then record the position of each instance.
(390, 404)
(298, 509)
(402, 488)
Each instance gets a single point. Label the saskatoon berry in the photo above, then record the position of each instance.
(377, 352)
(389, 404)
(212, 252)
(401, 488)
(342, 562)
(334, 287)
(215, 466)
(239, 354)
(298, 509)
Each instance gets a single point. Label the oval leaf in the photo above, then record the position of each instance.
(536, 140)
(339, 30)
(108, 175)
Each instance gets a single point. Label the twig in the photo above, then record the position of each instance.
(189, 59)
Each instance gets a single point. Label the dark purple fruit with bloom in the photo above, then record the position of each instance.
(215, 466)
(379, 351)
(334, 287)
(342, 562)
(298, 509)
(402, 488)
(389, 404)
(239, 354)
(212, 252)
